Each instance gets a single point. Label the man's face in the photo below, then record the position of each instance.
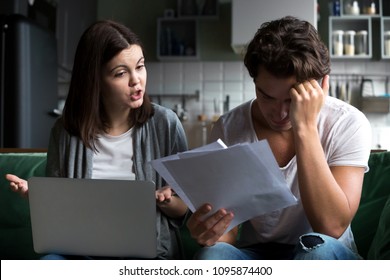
(273, 99)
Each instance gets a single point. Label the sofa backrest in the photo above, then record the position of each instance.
(15, 226)
(376, 191)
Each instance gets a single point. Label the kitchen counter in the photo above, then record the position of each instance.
(197, 132)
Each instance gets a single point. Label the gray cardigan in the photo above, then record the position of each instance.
(162, 135)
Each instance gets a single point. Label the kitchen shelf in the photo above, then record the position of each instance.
(376, 25)
(355, 23)
(364, 7)
(376, 104)
(177, 39)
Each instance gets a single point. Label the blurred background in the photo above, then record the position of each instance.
(194, 51)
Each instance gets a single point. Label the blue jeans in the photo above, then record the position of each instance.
(311, 246)
(63, 257)
(74, 257)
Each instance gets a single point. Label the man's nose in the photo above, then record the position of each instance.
(283, 108)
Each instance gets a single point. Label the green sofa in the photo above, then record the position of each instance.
(371, 225)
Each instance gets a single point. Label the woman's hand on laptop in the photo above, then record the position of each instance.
(170, 203)
(17, 184)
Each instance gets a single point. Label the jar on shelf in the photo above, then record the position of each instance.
(386, 41)
(361, 47)
(337, 42)
(349, 42)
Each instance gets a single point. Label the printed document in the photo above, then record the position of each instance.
(244, 178)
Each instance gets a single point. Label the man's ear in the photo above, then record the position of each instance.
(325, 84)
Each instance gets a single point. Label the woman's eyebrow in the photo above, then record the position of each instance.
(119, 66)
(139, 60)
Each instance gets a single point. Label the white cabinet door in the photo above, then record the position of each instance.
(248, 15)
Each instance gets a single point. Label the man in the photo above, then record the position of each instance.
(321, 144)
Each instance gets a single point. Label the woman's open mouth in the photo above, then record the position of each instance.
(136, 96)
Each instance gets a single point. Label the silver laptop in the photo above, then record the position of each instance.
(91, 217)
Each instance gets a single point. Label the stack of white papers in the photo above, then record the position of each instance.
(244, 179)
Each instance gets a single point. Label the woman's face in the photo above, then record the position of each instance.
(124, 79)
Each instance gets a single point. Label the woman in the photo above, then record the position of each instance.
(110, 129)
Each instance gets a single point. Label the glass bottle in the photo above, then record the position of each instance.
(336, 7)
(369, 8)
(355, 10)
(372, 8)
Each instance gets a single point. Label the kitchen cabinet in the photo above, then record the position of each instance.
(73, 17)
(248, 15)
(338, 48)
(197, 9)
(68, 18)
(177, 39)
(385, 46)
(372, 16)
(385, 31)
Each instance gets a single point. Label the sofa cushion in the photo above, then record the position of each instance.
(15, 226)
(376, 190)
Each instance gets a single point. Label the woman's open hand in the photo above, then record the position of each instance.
(17, 184)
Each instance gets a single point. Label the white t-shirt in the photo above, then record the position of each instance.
(345, 135)
(115, 157)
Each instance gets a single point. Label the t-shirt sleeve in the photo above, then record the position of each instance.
(351, 141)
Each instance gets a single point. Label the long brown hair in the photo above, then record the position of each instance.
(84, 115)
(288, 47)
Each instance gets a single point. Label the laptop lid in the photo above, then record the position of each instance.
(93, 217)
